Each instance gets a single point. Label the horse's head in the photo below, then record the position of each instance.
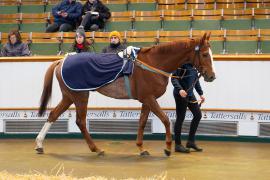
(203, 59)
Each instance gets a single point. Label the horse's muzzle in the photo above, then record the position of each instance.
(209, 78)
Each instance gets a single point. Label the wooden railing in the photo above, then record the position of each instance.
(159, 36)
(162, 4)
(246, 57)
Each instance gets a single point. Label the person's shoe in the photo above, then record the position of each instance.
(80, 27)
(192, 145)
(181, 148)
(94, 27)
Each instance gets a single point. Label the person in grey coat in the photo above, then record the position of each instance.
(15, 46)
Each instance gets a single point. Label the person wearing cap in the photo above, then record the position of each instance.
(80, 43)
(185, 98)
(95, 14)
(115, 43)
(66, 15)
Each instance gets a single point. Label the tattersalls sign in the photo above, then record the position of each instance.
(248, 123)
(9, 114)
(263, 116)
(227, 116)
(135, 114)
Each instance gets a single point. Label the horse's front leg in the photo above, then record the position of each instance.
(155, 108)
(143, 119)
(81, 112)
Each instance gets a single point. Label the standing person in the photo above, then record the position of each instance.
(95, 14)
(115, 45)
(66, 14)
(80, 43)
(184, 97)
(15, 46)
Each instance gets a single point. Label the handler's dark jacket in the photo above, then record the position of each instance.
(189, 74)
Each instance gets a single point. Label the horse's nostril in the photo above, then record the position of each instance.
(212, 78)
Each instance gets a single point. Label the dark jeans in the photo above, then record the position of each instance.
(60, 27)
(181, 108)
(89, 20)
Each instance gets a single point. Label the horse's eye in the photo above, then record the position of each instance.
(205, 55)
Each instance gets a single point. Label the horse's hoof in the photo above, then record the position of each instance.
(39, 150)
(145, 153)
(101, 153)
(167, 152)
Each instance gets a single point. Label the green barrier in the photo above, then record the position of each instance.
(8, 10)
(176, 25)
(44, 48)
(118, 26)
(33, 27)
(32, 8)
(147, 25)
(142, 6)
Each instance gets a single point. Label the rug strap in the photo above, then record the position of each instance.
(127, 85)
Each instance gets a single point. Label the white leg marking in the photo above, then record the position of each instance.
(42, 134)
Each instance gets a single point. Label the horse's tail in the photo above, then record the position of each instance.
(47, 88)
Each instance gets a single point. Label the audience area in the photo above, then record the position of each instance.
(237, 26)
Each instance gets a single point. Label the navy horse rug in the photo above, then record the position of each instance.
(89, 71)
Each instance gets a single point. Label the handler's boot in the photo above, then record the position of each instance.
(181, 148)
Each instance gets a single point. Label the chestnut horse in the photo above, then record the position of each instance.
(146, 86)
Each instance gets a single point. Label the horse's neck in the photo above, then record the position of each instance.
(172, 59)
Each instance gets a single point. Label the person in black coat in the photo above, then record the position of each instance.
(95, 14)
(184, 97)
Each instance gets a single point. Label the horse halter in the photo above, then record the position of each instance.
(197, 53)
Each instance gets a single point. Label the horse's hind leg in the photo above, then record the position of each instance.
(143, 119)
(54, 114)
(81, 112)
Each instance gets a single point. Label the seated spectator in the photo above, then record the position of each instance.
(115, 43)
(66, 14)
(15, 46)
(95, 14)
(80, 43)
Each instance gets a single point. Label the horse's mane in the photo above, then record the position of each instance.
(167, 47)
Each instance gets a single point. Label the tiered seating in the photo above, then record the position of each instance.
(25, 22)
(9, 6)
(147, 22)
(211, 4)
(155, 20)
(223, 41)
(8, 21)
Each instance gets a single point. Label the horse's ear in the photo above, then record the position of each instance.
(208, 36)
(203, 38)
